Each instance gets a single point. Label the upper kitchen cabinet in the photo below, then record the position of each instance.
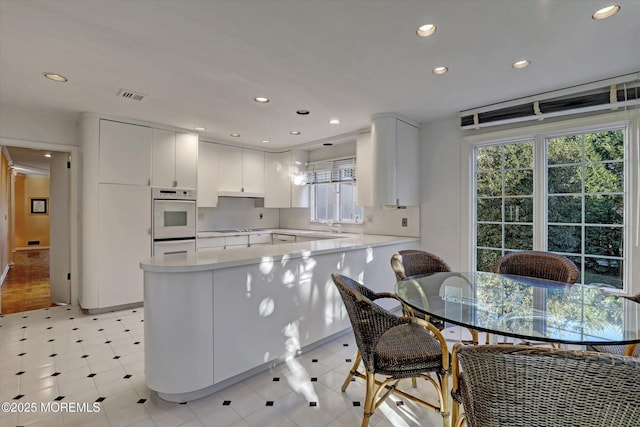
(277, 180)
(207, 175)
(124, 153)
(284, 178)
(388, 173)
(240, 172)
(175, 159)
(299, 187)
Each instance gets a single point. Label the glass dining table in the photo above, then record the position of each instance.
(526, 308)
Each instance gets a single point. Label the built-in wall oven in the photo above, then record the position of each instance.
(174, 221)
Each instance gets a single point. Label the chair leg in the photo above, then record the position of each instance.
(369, 399)
(444, 400)
(352, 372)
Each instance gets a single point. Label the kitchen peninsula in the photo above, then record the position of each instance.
(214, 318)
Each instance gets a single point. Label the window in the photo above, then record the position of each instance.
(562, 193)
(504, 201)
(333, 190)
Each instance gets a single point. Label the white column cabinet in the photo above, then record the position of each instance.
(240, 171)
(124, 238)
(124, 153)
(175, 158)
(207, 175)
(388, 163)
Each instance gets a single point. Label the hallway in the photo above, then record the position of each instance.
(27, 284)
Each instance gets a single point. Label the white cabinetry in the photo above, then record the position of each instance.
(175, 158)
(277, 180)
(299, 187)
(240, 172)
(205, 244)
(207, 175)
(284, 178)
(259, 239)
(390, 164)
(124, 153)
(124, 239)
(118, 161)
(241, 241)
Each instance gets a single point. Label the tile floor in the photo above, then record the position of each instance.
(60, 357)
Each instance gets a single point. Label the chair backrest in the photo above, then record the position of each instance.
(541, 265)
(369, 320)
(541, 387)
(412, 262)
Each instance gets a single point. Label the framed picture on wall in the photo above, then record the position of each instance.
(39, 206)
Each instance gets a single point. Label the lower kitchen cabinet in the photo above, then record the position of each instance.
(124, 239)
(240, 320)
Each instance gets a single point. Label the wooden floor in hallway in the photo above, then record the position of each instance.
(27, 285)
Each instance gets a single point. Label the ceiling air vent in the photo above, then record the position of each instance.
(129, 94)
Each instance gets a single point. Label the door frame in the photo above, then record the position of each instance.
(74, 202)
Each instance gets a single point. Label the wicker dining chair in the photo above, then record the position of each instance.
(523, 386)
(396, 348)
(538, 264)
(621, 349)
(412, 262)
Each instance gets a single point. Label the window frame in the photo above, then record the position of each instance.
(333, 173)
(539, 133)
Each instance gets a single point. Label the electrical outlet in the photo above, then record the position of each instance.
(405, 222)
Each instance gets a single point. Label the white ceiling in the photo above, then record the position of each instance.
(201, 63)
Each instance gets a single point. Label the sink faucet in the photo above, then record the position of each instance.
(332, 228)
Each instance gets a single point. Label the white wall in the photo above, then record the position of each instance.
(441, 215)
(37, 126)
(445, 180)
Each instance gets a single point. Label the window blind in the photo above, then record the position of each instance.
(330, 171)
(620, 93)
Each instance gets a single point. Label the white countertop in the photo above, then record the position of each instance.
(211, 260)
(291, 232)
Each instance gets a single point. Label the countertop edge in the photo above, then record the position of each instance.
(195, 262)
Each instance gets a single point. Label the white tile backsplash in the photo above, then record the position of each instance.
(236, 212)
(240, 213)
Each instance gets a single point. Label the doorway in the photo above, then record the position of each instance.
(38, 237)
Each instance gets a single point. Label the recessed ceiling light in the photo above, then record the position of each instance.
(235, 135)
(334, 122)
(265, 141)
(48, 155)
(521, 64)
(440, 70)
(606, 12)
(55, 77)
(426, 30)
(200, 128)
(261, 99)
(302, 112)
(295, 132)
